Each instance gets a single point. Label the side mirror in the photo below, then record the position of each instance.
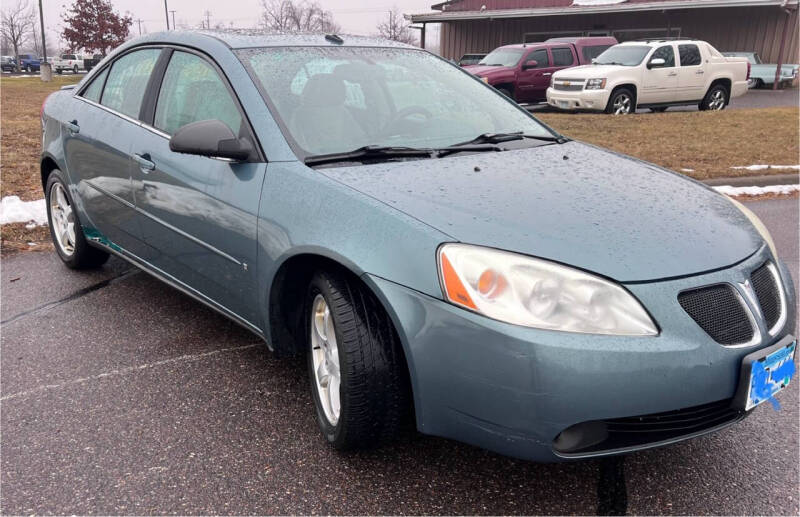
(530, 64)
(210, 138)
(656, 63)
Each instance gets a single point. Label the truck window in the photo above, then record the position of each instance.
(690, 55)
(592, 52)
(562, 57)
(540, 56)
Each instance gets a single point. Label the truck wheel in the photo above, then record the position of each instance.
(359, 382)
(28, 69)
(59, 71)
(505, 91)
(621, 102)
(75, 69)
(65, 229)
(716, 99)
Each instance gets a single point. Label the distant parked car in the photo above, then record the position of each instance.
(470, 59)
(8, 63)
(71, 62)
(522, 72)
(655, 74)
(28, 62)
(763, 74)
(90, 62)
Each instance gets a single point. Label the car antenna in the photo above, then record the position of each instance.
(333, 38)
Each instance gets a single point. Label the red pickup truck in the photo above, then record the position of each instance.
(523, 71)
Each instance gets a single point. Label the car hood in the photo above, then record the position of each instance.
(589, 71)
(571, 203)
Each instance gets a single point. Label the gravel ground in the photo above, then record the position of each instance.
(121, 396)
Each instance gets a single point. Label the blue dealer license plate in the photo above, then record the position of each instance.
(770, 374)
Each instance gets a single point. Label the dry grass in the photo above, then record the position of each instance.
(709, 143)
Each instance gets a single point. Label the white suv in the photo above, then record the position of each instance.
(651, 74)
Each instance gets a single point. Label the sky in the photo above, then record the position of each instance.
(355, 16)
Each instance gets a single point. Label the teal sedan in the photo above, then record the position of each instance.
(439, 256)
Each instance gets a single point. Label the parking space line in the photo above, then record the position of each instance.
(125, 371)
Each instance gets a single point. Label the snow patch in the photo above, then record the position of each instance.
(757, 191)
(15, 210)
(687, 170)
(765, 167)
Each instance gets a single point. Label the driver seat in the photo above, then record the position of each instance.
(323, 124)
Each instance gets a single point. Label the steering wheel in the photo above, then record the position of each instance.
(404, 114)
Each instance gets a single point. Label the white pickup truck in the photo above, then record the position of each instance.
(651, 74)
(71, 62)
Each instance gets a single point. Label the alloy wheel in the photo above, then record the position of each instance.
(717, 100)
(325, 357)
(62, 219)
(622, 104)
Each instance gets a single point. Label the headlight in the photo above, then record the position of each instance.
(538, 293)
(595, 84)
(485, 79)
(756, 222)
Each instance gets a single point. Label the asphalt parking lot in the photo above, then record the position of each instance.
(120, 395)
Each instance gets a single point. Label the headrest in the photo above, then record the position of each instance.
(323, 90)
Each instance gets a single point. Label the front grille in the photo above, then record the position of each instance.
(720, 312)
(639, 431)
(572, 87)
(768, 294)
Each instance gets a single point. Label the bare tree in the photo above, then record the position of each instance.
(16, 25)
(288, 16)
(396, 28)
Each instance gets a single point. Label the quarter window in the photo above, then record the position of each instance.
(127, 81)
(690, 55)
(540, 56)
(562, 57)
(95, 89)
(667, 54)
(192, 91)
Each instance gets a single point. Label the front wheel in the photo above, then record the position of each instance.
(65, 229)
(621, 103)
(716, 99)
(75, 69)
(505, 91)
(358, 376)
(59, 71)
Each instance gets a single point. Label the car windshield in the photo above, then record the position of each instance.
(625, 55)
(336, 100)
(503, 57)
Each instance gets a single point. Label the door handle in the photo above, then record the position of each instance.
(73, 127)
(144, 161)
(547, 73)
(700, 72)
(673, 74)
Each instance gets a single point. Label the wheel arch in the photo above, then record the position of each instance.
(724, 81)
(629, 86)
(48, 164)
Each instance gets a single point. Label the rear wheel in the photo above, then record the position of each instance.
(59, 71)
(65, 229)
(716, 99)
(29, 69)
(75, 69)
(621, 102)
(356, 367)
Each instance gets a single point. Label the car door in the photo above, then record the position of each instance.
(534, 76)
(199, 214)
(691, 73)
(97, 140)
(660, 83)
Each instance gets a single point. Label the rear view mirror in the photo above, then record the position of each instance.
(530, 64)
(656, 63)
(210, 138)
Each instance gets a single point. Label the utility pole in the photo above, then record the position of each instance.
(45, 71)
(208, 18)
(173, 18)
(166, 13)
(41, 20)
(139, 21)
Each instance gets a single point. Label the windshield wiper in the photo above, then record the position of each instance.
(496, 138)
(369, 152)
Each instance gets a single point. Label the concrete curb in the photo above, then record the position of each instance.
(756, 181)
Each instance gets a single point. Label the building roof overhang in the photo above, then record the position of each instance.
(533, 12)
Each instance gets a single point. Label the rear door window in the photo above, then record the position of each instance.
(562, 56)
(127, 81)
(690, 55)
(192, 91)
(95, 89)
(540, 56)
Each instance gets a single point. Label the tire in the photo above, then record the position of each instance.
(622, 102)
(59, 71)
(505, 91)
(75, 69)
(373, 386)
(716, 99)
(28, 69)
(660, 109)
(77, 254)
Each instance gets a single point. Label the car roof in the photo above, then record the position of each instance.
(255, 38)
(660, 40)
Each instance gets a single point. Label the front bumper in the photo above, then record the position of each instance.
(513, 390)
(591, 100)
